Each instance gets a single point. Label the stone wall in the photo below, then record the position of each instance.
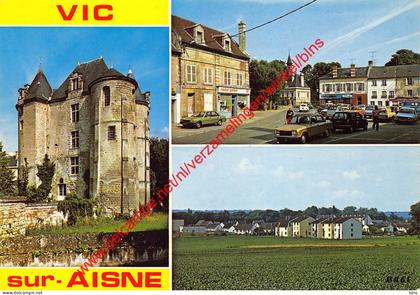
(17, 217)
(137, 249)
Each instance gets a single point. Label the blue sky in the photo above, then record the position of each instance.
(144, 49)
(350, 28)
(296, 177)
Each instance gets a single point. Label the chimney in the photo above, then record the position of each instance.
(302, 80)
(370, 63)
(242, 35)
(334, 71)
(352, 70)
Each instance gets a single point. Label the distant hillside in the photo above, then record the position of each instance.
(405, 215)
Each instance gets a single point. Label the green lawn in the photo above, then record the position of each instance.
(156, 221)
(258, 262)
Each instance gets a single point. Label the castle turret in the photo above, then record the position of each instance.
(32, 109)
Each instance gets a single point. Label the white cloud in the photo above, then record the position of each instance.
(281, 172)
(345, 193)
(370, 25)
(353, 174)
(322, 184)
(247, 166)
(294, 175)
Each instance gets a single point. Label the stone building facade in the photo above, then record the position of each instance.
(95, 128)
(210, 70)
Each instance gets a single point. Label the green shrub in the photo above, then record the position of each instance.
(77, 208)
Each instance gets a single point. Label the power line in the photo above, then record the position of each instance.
(266, 23)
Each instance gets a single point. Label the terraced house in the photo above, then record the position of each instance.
(209, 70)
(101, 148)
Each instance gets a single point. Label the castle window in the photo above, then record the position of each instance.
(75, 113)
(112, 133)
(74, 139)
(62, 188)
(107, 95)
(74, 165)
(409, 81)
(75, 84)
(21, 125)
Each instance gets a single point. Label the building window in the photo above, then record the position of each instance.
(373, 82)
(107, 95)
(351, 235)
(208, 76)
(227, 78)
(200, 37)
(380, 103)
(374, 94)
(391, 94)
(360, 86)
(383, 82)
(383, 94)
(226, 45)
(410, 92)
(191, 74)
(75, 113)
(75, 139)
(74, 165)
(75, 84)
(338, 87)
(62, 188)
(21, 125)
(112, 133)
(239, 80)
(409, 81)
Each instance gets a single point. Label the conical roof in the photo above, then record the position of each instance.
(40, 87)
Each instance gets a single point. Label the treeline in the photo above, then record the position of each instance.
(191, 217)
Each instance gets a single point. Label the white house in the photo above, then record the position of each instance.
(177, 224)
(281, 228)
(381, 85)
(389, 228)
(245, 229)
(317, 227)
(215, 227)
(347, 228)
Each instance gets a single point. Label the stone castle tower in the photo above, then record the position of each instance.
(95, 127)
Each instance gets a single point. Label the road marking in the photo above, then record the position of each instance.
(394, 138)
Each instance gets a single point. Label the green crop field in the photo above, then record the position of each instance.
(266, 262)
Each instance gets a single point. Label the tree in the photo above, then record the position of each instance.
(261, 74)
(415, 214)
(404, 57)
(313, 73)
(45, 174)
(76, 207)
(311, 211)
(159, 166)
(7, 178)
(349, 210)
(23, 180)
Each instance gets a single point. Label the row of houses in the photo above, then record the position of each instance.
(370, 85)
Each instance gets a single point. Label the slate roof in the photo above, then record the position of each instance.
(243, 227)
(282, 223)
(12, 161)
(361, 72)
(183, 28)
(299, 219)
(401, 71)
(90, 71)
(40, 87)
(267, 226)
(341, 219)
(321, 220)
(296, 82)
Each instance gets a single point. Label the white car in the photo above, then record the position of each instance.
(303, 108)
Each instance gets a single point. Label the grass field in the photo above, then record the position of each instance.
(156, 221)
(266, 262)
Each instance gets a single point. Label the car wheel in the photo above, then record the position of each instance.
(303, 138)
(198, 125)
(219, 122)
(327, 133)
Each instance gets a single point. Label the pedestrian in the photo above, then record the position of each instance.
(289, 115)
(375, 117)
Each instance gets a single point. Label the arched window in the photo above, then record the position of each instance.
(107, 95)
(62, 188)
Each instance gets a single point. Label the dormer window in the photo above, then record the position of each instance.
(226, 45)
(199, 35)
(75, 84)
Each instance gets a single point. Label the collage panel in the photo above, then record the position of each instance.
(83, 148)
(267, 218)
(268, 72)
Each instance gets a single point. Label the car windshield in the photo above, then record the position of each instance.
(332, 107)
(300, 120)
(201, 114)
(406, 111)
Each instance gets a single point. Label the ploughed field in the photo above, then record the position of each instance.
(267, 262)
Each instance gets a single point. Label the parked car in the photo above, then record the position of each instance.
(359, 108)
(368, 111)
(386, 113)
(303, 127)
(349, 120)
(303, 107)
(332, 110)
(203, 118)
(406, 115)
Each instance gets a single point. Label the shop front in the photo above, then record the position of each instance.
(336, 98)
(231, 101)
